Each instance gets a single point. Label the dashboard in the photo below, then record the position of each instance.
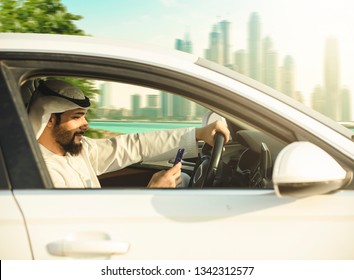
(248, 161)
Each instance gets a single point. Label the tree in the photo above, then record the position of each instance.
(37, 16)
(45, 16)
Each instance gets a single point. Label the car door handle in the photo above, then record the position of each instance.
(87, 248)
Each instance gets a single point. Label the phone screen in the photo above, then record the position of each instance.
(179, 156)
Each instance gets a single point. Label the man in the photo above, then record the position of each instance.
(58, 117)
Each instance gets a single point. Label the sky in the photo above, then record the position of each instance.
(297, 27)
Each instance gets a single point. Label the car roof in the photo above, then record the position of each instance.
(92, 46)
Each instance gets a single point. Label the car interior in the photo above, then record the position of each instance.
(245, 162)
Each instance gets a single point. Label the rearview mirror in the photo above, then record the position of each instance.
(303, 169)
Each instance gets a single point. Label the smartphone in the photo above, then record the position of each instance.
(179, 156)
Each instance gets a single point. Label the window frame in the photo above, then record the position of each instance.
(24, 66)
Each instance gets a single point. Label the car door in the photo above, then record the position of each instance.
(186, 224)
(13, 234)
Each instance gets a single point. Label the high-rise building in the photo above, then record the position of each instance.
(331, 79)
(152, 101)
(288, 77)
(254, 47)
(270, 67)
(184, 45)
(136, 105)
(241, 62)
(182, 108)
(177, 105)
(225, 42)
(173, 105)
(346, 102)
(166, 104)
(214, 52)
(188, 46)
(219, 44)
(105, 95)
(179, 44)
(153, 109)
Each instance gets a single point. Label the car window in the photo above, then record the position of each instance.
(125, 108)
(120, 108)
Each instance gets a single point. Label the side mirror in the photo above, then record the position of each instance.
(303, 169)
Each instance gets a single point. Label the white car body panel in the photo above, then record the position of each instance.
(90, 46)
(13, 235)
(189, 224)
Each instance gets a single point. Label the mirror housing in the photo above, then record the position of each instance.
(303, 169)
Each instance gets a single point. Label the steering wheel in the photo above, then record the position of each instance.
(206, 171)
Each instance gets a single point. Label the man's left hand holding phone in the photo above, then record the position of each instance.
(168, 178)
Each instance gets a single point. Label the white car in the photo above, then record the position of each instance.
(281, 189)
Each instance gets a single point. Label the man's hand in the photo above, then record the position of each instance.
(208, 132)
(166, 178)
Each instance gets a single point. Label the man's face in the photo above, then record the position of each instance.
(69, 130)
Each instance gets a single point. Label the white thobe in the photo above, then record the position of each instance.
(99, 156)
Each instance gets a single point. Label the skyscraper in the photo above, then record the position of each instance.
(331, 79)
(179, 44)
(254, 45)
(241, 62)
(152, 101)
(225, 42)
(153, 108)
(184, 45)
(188, 46)
(317, 99)
(214, 52)
(175, 105)
(270, 64)
(166, 104)
(346, 101)
(105, 95)
(288, 77)
(136, 105)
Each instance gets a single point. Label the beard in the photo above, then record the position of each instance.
(66, 139)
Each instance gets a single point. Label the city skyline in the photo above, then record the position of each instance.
(299, 28)
(262, 62)
(145, 103)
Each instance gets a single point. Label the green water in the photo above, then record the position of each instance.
(132, 127)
